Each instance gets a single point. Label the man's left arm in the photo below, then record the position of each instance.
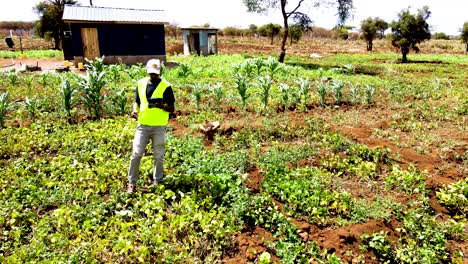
(168, 100)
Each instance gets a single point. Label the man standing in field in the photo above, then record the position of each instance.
(154, 101)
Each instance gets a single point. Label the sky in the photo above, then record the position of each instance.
(447, 16)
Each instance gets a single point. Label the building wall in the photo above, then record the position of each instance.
(186, 34)
(123, 39)
(203, 40)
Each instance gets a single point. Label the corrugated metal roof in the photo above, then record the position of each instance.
(199, 28)
(74, 13)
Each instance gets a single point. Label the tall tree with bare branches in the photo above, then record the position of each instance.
(292, 11)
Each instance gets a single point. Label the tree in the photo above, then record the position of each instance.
(232, 31)
(253, 29)
(410, 30)
(295, 33)
(270, 30)
(370, 28)
(262, 6)
(50, 21)
(381, 26)
(172, 29)
(464, 35)
(7, 25)
(441, 35)
(342, 31)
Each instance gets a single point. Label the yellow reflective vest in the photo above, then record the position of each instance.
(152, 116)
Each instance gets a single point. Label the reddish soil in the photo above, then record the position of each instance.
(254, 180)
(178, 129)
(437, 177)
(249, 244)
(344, 240)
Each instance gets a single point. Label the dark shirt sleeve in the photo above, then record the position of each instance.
(168, 97)
(137, 98)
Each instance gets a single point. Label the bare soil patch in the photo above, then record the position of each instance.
(45, 64)
(345, 241)
(254, 180)
(249, 244)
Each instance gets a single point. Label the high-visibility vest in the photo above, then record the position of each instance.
(152, 116)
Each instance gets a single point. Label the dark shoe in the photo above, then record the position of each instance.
(131, 188)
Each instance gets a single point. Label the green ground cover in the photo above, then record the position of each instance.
(66, 142)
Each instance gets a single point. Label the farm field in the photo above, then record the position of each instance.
(348, 158)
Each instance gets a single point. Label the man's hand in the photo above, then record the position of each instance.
(159, 105)
(134, 114)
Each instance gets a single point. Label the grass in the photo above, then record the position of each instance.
(32, 54)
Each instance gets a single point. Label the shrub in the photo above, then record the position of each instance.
(455, 197)
(410, 181)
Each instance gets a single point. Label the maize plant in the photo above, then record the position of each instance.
(241, 85)
(273, 66)
(162, 68)
(28, 80)
(92, 86)
(115, 73)
(13, 77)
(5, 106)
(247, 68)
(31, 105)
(218, 93)
(136, 71)
(285, 90)
(322, 90)
(354, 93)
(184, 70)
(304, 86)
(44, 79)
(198, 90)
(264, 83)
(257, 65)
(370, 90)
(348, 69)
(3, 77)
(119, 101)
(236, 69)
(337, 89)
(67, 96)
(295, 98)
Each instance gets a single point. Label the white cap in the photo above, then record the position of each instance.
(153, 66)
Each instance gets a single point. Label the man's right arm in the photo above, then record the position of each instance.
(136, 105)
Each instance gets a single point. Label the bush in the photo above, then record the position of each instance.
(441, 35)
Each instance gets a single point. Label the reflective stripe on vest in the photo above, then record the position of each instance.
(152, 116)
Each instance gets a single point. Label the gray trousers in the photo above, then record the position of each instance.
(143, 134)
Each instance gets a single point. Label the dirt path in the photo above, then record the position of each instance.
(46, 65)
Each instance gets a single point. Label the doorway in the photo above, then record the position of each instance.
(89, 38)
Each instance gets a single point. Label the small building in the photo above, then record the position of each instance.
(200, 40)
(122, 35)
